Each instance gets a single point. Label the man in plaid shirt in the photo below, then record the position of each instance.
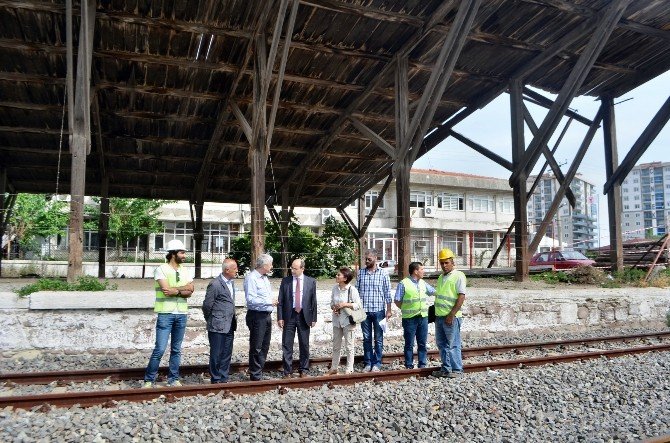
(374, 287)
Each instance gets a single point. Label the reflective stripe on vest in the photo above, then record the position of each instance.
(165, 304)
(446, 295)
(415, 301)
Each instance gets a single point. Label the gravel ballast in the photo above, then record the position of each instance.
(622, 399)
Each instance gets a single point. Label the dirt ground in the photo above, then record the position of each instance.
(131, 284)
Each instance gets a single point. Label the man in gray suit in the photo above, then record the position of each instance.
(296, 310)
(219, 310)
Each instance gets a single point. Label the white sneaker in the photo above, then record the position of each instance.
(175, 384)
(375, 369)
(148, 384)
(367, 368)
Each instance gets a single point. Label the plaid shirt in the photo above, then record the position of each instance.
(374, 289)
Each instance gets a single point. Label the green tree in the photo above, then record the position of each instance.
(129, 218)
(323, 255)
(34, 216)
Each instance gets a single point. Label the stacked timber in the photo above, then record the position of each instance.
(640, 252)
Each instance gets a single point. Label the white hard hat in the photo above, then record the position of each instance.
(175, 245)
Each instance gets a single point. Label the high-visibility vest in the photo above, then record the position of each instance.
(168, 305)
(446, 295)
(415, 301)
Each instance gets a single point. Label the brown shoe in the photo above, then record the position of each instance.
(332, 372)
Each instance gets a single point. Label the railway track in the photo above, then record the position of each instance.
(122, 374)
(110, 398)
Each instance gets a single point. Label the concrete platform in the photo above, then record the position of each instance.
(90, 321)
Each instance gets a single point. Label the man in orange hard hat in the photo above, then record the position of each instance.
(449, 297)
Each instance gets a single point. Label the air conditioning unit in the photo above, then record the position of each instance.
(429, 211)
(325, 213)
(421, 244)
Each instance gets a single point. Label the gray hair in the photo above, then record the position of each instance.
(372, 252)
(228, 263)
(263, 259)
(301, 261)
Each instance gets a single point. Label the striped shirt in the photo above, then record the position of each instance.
(374, 288)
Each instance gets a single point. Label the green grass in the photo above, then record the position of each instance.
(85, 283)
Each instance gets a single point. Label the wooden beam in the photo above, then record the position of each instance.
(482, 150)
(545, 102)
(3, 211)
(80, 140)
(610, 16)
(640, 146)
(614, 193)
(519, 185)
(375, 206)
(103, 227)
(373, 136)
(549, 156)
(241, 119)
(560, 193)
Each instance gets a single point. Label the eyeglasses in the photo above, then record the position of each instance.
(177, 272)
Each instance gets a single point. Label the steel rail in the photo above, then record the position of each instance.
(120, 374)
(110, 398)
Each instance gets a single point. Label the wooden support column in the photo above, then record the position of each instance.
(3, 209)
(284, 219)
(198, 236)
(80, 139)
(103, 227)
(362, 247)
(519, 185)
(614, 193)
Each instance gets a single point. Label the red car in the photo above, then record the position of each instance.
(561, 259)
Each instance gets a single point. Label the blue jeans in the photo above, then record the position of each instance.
(167, 324)
(448, 338)
(415, 327)
(373, 357)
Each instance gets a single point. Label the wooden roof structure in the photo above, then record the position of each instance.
(171, 78)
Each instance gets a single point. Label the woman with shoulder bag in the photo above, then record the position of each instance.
(344, 295)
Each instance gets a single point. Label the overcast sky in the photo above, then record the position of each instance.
(490, 127)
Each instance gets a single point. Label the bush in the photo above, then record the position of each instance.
(552, 277)
(587, 275)
(85, 283)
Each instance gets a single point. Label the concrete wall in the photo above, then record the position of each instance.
(99, 321)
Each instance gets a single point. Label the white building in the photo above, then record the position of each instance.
(466, 213)
(572, 228)
(645, 201)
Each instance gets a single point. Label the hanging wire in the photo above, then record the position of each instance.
(60, 143)
(274, 183)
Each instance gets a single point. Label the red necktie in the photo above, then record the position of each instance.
(298, 302)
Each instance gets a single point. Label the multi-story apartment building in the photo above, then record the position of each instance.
(645, 201)
(572, 228)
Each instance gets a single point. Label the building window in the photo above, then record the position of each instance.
(450, 202)
(420, 199)
(370, 199)
(483, 240)
(506, 205)
(625, 207)
(481, 203)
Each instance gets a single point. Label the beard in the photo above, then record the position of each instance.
(178, 259)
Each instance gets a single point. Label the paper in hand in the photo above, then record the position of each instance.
(383, 325)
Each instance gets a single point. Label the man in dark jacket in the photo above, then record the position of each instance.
(296, 310)
(219, 310)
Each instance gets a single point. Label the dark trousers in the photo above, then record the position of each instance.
(260, 330)
(220, 353)
(297, 321)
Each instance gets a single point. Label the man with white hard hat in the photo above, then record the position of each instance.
(449, 297)
(174, 284)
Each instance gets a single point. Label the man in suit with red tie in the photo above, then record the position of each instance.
(296, 311)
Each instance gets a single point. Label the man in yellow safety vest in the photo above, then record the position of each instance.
(449, 297)
(411, 296)
(174, 285)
